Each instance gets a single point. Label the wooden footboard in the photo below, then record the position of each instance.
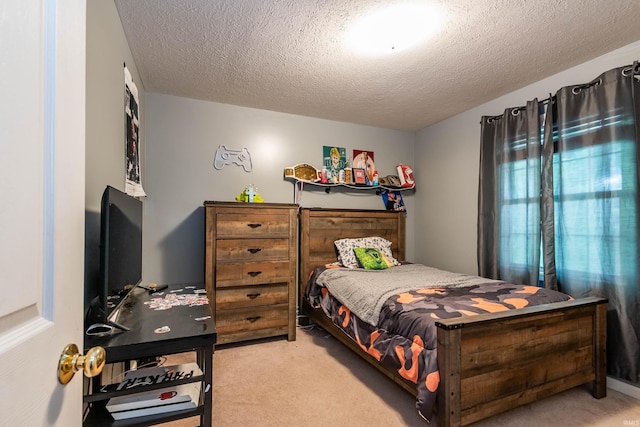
(489, 363)
(492, 363)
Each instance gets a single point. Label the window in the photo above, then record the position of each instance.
(594, 195)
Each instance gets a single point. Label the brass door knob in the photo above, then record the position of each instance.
(71, 361)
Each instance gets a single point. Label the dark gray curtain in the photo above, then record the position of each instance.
(597, 205)
(575, 201)
(509, 195)
(547, 202)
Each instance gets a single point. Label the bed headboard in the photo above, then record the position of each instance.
(319, 228)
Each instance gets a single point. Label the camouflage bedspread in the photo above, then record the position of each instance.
(405, 337)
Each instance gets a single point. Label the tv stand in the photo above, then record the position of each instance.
(191, 328)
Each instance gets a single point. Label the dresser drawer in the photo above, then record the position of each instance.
(251, 296)
(252, 225)
(252, 250)
(235, 321)
(252, 273)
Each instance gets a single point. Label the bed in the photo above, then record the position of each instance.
(486, 363)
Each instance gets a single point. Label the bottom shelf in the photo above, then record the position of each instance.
(98, 416)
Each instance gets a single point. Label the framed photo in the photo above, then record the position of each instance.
(359, 176)
(364, 160)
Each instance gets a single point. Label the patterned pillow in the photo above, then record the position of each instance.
(347, 257)
(372, 259)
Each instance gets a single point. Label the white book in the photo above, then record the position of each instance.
(170, 398)
(159, 397)
(123, 415)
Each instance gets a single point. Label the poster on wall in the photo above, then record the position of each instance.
(393, 201)
(334, 160)
(364, 160)
(132, 185)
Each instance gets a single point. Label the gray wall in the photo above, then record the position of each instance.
(181, 141)
(107, 52)
(447, 159)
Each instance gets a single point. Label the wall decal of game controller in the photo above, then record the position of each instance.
(224, 156)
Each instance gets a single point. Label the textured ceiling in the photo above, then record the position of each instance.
(290, 55)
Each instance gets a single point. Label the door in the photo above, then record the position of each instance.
(42, 116)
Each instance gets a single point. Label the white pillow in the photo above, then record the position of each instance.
(347, 256)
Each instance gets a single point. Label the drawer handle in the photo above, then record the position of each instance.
(254, 250)
(253, 296)
(253, 319)
(254, 273)
(254, 225)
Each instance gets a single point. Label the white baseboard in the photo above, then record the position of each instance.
(624, 388)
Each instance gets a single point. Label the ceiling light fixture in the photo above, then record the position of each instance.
(395, 28)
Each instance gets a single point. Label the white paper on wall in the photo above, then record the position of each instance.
(133, 185)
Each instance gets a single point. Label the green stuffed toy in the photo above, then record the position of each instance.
(372, 259)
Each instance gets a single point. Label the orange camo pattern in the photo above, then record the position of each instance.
(410, 374)
(529, 290)
(371, 349)
(347, 315)
(432, 291)
(491, 307)
(432, 381)
(461, 311)
(408, 297)
(517, 302)
(468, 313)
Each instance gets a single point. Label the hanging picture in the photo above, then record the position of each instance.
(364, 160)
(393, 201)
(334, 160)
(133, 185)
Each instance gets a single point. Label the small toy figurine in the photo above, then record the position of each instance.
(250, 195)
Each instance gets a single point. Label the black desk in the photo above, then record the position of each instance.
(192, 328)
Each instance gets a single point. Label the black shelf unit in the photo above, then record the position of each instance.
(191, 329)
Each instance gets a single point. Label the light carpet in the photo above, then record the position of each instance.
(316, 381)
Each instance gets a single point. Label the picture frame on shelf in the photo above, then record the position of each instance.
(365, 160)
(359, 176)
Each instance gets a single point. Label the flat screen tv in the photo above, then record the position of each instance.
(120, 254)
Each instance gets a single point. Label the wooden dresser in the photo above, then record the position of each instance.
(250, 269)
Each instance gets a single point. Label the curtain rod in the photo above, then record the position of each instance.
(626, 71)
(546, 100)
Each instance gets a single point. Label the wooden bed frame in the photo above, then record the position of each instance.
(488, 363)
